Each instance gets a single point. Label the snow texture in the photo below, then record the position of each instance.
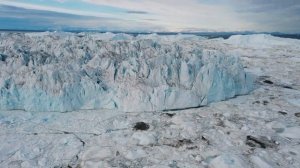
(257, 130)
(261, 41)
(66, 72)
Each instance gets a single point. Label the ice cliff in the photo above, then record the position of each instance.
(65, 72)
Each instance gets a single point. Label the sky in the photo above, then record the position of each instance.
(152, 15)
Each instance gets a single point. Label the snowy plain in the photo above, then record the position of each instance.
(258, 129)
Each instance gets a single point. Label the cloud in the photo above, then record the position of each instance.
(177, 14)
(181, 15)
(220, 15)
(61, 1)
(270, 15)
(136, 12)
(54, 9)
(21, 18)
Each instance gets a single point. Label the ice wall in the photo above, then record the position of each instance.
(65, 72)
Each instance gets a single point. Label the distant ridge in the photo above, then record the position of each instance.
(209, 35)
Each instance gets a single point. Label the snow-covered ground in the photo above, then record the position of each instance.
(261, 129)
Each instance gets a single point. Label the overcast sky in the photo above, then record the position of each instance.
(152, 15)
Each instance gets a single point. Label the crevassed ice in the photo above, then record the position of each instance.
(65, 72)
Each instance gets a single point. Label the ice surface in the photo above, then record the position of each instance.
(261, 41)
(211, 136)
(65, 72)
(227, 161)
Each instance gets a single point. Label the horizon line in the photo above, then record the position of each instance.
(142, 32)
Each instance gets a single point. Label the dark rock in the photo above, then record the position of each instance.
(268, 82)
(261, 142)
(185, 141)
(256, 102)
(287, 87)
(170, 114)
(3, 57)
(297, 114)
(265, 102)
(192, 147)
(205, 139)
(182, 142)
(282, 112)
(251, 143)
(141, 126)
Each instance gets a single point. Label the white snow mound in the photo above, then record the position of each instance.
(66, 72)
(260, 41)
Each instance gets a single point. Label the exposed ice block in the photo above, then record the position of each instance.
(65, 72)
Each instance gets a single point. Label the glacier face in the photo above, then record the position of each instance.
(65, 72)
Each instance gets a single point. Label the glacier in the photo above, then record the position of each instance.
(259, 129)
(261, 41)
(61, 72)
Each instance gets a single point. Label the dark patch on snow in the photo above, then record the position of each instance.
(169, 114)
(278, 130)
(181, 109)
(220, 123)
(192, 147)
(205, 140)
(7, 84)
(292, 153)
(218, 115)
(261, 142)
(264, 77)
(268, 82)
(265, 102)
(141, 126)
(104, 87)
(287, 87)
(219, 120)
(108, 131)
(65, 132)
(256, 102)
(64, 166)
(297, 114)
(282, 112)
(173, 164)
(3, 57)
(181, 143)
(185, 141)
(82, 141)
